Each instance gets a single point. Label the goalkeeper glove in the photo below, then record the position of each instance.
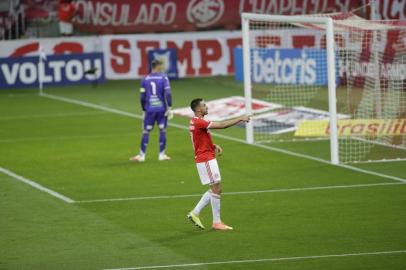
(169, 113)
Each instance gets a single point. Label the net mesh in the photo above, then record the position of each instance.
(375, 78)
(289, 70)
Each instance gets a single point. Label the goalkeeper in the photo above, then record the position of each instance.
(156, 103)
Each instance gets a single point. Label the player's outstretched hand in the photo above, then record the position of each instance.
(218, 149)
(245, 118)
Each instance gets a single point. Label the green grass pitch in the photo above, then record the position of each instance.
(288, 212)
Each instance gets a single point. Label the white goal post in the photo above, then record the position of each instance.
(331, 71)
(334, 85)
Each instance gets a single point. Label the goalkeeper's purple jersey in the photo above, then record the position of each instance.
(155, 93)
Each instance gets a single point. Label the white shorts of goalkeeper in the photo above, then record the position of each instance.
(209, 172)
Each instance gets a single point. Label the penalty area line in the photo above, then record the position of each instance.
(270, 148)
(277, 259)
(36, 185)
(240, 192)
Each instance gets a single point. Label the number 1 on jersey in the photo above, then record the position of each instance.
(153, 86)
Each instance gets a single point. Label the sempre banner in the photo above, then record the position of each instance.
(199, 54)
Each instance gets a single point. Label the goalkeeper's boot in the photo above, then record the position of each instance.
(195, 220)
(221, 227)
(137, 158)
(164, 157)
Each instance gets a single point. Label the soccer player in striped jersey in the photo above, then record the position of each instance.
(156, 102)
(205, 158)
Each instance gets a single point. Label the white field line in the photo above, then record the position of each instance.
(380, 161)
(36, 185)
(240, 192)
(275, 149)
(91, 105)
(298, 258)
(294, 140)
(401, 147)
(33, 116)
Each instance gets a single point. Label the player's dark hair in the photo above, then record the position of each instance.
(155, 63)
(195, 103)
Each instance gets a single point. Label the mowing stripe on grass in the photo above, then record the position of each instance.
(62, 138)
(19, 95)
(239, 192)
(298, 258)
(33, 116)
(36, 185)
(275, 149)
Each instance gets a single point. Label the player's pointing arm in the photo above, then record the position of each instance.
(229, 123)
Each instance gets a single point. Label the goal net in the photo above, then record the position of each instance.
(336, 84)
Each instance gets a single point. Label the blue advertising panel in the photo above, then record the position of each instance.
(169, 58)
(285, 66)
(54, 70)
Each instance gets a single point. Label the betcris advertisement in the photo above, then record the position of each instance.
(284, 66)
(53, 70)
(169, 59)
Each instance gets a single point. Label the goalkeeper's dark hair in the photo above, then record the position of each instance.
(195, 103)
